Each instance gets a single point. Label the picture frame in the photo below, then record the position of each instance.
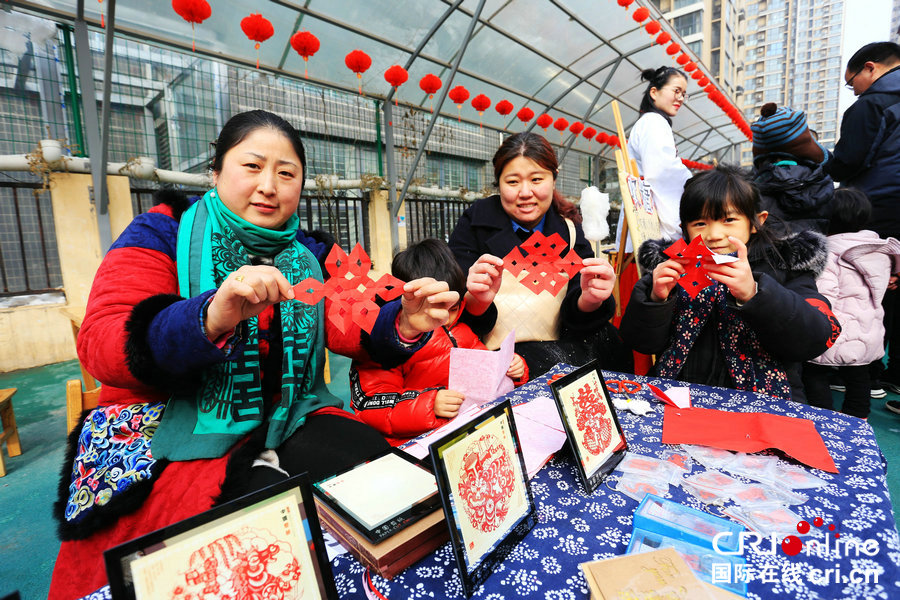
(592, 427)
(272, 534)
(483, 458)
(407, 491)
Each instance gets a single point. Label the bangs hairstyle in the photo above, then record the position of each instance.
(535, 147)
(851, 211)
(709, 195)
(430, 258)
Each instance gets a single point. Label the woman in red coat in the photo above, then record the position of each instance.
(212, 374)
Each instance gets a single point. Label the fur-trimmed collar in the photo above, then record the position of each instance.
(803, 251)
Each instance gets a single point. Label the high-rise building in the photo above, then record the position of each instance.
(792, 56)
(710, 30)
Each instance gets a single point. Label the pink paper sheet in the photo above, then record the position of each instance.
(481, 374)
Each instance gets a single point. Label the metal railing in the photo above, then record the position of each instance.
(29, 257)
(432, 217)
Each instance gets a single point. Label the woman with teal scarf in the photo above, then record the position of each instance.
(212, 373)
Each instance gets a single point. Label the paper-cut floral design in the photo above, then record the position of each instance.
(242, 565)
(695, 277)
(545, 266)
(592, 418)
(350, 289)
(486, 483)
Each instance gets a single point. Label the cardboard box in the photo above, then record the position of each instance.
(395, 553)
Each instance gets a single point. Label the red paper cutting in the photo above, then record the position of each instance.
(747, 432)
(544, 265)
(350, 289)
(694, 278)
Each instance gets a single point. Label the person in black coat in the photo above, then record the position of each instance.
(571, 325)
(761, 317)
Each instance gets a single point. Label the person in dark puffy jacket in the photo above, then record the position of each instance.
(788, 170)
(411, 399)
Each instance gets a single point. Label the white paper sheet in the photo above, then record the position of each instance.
(681, 396)
(480, 375)
(540, 432)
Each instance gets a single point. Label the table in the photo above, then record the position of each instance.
(574, 528)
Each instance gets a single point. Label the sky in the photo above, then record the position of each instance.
(864, 21)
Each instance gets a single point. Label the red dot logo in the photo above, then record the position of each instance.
(818, 521)
(803, 527)
(791, 545)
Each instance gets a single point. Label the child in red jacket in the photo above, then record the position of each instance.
(412, 398)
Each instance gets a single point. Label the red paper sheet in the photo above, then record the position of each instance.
(747, 432)
(351, 290)
(544, 265)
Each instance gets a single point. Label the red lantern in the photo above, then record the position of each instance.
(663, 38)
(653, 27)
(396, 76)
(589, 133)
(544, 121)
(192, 11)
(560, 124)
(690, 67)
(624, 3)
(525, 114)
(481, 103)
(673, 49)
(640, 14)
(358, 62)
(306, 44)
(613, 140)
(458, 96)
(430, 84)
(703, 81)
(697, 74)
(602, 137)
(504, 107)
(709, 89)
(683, 59)
(576, 127)
(258, 29)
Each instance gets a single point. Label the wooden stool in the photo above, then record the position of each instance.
(10, 432)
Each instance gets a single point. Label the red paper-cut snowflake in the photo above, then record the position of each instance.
(350, 289)
(544, 264)
(695, 277)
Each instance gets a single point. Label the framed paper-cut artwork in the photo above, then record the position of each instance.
(592, 427)
(484, 489)
(262, 545)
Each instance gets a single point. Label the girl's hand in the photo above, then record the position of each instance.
(244, 294)
(483, 283)
(736, 276)
(447, 403)
(665, 277)
(597, 281)
(516, 368)
(426, 306)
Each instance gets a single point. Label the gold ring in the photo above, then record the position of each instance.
(238, 277)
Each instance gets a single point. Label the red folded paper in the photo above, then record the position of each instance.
(747, 432)
(544, 265)
(695, 277)
(350, 289)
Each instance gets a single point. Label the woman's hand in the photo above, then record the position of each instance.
(447, 403)
(736, 276)
(244, 294)
(665, 277)
(426, 306)
(483, 283)
(597, 281)
(516, 368)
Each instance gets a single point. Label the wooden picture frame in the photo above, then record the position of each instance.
(592, 427)
(484, 488)
(272, 535)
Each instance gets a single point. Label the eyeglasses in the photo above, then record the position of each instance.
(849, 84)
(678, 92)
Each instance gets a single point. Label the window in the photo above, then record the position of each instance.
(696, 47)
(689, 24)
(774, 80)
(775, 49)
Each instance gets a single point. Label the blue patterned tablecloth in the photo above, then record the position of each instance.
(574, 528)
